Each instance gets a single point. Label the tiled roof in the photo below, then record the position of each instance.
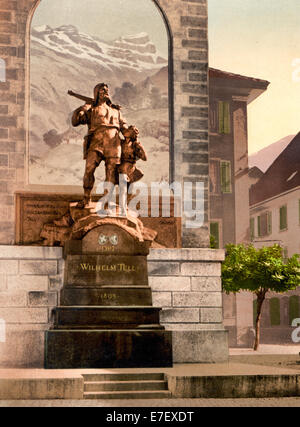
(283, 175)
(214, 73)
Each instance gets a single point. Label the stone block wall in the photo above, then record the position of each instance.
(13, 21)
(30, 278)
(186, 283)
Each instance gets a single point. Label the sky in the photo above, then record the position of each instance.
(261, 38)
(107, 19)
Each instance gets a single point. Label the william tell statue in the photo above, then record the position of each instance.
(103, 142)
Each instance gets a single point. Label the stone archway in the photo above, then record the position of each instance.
(187, 20)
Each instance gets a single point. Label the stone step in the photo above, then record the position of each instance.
(128, 395)
(106, 296)
(140, 376)
(99, 317)
(99, 349)
(95, 386)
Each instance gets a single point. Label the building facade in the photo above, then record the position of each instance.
(275, 219)
(230, 94)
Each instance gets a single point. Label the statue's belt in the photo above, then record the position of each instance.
(104, 127)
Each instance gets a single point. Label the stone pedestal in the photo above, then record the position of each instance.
(105, 318)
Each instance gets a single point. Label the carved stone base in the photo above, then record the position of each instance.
(106, 318)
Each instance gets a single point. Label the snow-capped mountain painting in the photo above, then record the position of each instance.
(62, 59)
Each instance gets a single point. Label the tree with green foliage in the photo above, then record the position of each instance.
(259, 271)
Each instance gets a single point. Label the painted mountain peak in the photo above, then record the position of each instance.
(64, 58)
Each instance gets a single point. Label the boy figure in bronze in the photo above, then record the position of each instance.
(132, 150)
(104, 121)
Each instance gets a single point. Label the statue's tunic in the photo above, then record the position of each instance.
(102, 142)
(104, 124)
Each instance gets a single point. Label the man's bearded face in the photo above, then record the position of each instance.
(103, 94)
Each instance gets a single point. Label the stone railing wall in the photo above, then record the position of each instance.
(30, 278)
(186, 283)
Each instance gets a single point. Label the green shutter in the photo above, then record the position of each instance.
(252, 228)
(226, 177)
(275, 311)
(283, 218)
(214, 232)
(269, 224)
(259, 226)
(224, 117)
(221, 117)
(226, 110)
(294, 311)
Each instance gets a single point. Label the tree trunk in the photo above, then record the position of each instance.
(260, 299)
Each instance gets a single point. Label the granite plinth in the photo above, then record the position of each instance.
(106, 296)
(67, 349)
(105, 317)
(113, 240)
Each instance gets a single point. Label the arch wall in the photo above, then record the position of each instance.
(188, 61)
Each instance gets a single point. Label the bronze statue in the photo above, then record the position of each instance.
(132, 150)
(103, 142)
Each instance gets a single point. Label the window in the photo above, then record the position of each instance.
(215, 235)
(225, 176)
(214, 175)
(264, 224)
(283, 218)
(213, 117)
(294, 310)
(224, 117)
(252, 228)
(2, 70)
(275, 311)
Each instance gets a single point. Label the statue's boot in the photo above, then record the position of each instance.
(86, 200)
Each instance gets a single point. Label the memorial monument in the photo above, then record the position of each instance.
(105, 318)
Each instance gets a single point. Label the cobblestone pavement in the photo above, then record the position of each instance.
(154, 403)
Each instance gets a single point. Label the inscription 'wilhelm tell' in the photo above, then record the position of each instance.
(125, 268)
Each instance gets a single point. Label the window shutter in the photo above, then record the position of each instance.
(224, 117)
(294, 311)
(221, 117)
(214, 231)
(252, 228)
(226, 177)
(213, 115)
(226, 107)
(275, 311)
(259, 226)
(283, 218)
(269, 220)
